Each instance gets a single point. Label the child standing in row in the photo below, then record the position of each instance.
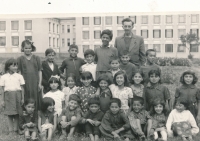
(114, 67)
(13, 94)
(121, 90)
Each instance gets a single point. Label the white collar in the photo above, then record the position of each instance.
(107, 46)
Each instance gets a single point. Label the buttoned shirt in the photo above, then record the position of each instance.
(91, 68)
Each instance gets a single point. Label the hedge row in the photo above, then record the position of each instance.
(173, 61)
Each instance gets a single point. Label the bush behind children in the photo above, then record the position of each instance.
(107, 97)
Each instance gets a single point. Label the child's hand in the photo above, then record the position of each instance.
(39, 87)
(97, 123)
(29, 124)
(115, 135)
(90, 121)
(64, 124)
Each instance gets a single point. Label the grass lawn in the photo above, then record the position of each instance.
(174, 71)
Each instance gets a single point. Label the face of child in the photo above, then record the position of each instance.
(86, 82)
(125, 59)
(27, 49)
(89, 58)
(158, 109)
(54, 85)
(151, 57)
(137, 78)
(154, 78)
(70, 82)
(94, 108)
(188, 79)
(50, 108)
(105, 40)
(13, 68)
(73, 52)
(127, 26)
(114, 64)
(120, 80)
(137, 106)
(114, 108)
(103, 84)
(180, 107)
(73, 104)
(50, 57)
(30, 108)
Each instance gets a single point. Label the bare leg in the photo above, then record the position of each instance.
(10, 123)
(71, 132)
(33, 136)
(50, 132)
(96, 138)
(91, 137)
(27, 134)
(16, 123)
(127, 139)
(164, 135)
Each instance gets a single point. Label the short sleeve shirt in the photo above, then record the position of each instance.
(143, 115)
(12, 82)
(67, 91)
(91, 68)
(123, 94)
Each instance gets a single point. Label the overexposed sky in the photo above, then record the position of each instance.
(76, 7)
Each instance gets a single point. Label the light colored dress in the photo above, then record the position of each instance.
(68, 91)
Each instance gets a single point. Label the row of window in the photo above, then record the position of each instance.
(68, 42)
(15, 40)
(15, 25)
(144, 19)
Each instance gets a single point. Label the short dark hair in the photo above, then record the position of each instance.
(104, 77)
(49, 50)
(94, 100)
(46, 102)
(28, 42)
(89, 51)
(125, 77)
(116, 100)
(134, 73)
(156, 72)
(150, 50)
(75, 97)
(183, 101)
(127, 20)
(73, 46)
(86, 75)
(124, 52)
(107, 32)
(10, 62)
(28, 101)
(114, 59)
(139, 99)
(195, 78)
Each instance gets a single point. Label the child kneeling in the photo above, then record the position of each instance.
(92, 119)
(70, 117)
(115, 125)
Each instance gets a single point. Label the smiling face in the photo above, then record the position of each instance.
(70, 82)
(137, 78)
(89, 58)
(73, 104)
(180, 107)
(120, 80)
(114, 108)
(154, 78)
(13, 68)
(158, 108)
(30, 107)
(188, 79)
(94, 108)
(50, 57)
(50, 108)
(103, 84)
(54, 85)
(127, 26)
(114, 65)
(86, 82)
(151, 57)
(27, 49)
(125, 59)
(105, 40)
(137, 106)
(73, 52)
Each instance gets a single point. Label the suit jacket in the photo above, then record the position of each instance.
(136, 49)
(46, 74)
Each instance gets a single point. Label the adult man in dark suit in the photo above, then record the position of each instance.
(132, 43)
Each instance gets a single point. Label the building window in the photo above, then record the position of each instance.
(49, 26)
(2, 25)
(53, 42)
(181, 48)
(85, 20)
(156, 33)
(68, 28)
(74, 41)
(133, 18)
(194, 48)
(120, 32)
(28, 25)
(168, 18)
(96, 46)
(15, 40)
(168, 47)
(97, 34)
(156, 19)
(144, 20)
(53, 27)
(144, 33)
(85, 34)
(195, 31)
(109, 20)
(85, 47)
(14, 25)
(181, 32)
(181, 18)
(2, 41)
(168, 33)
(57, 42)
(28, 38)
(57, 28)
(195, 18)
(68, 41)
(146, 47)
(156, 47)
(63, 42)
(49, 41)
(119, 19)
(97, 20)
(63, 28)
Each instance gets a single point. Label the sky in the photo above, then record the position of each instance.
(105, 7)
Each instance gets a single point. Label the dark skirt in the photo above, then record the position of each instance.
(13, 102)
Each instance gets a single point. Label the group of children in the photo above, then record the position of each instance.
(104, 96)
